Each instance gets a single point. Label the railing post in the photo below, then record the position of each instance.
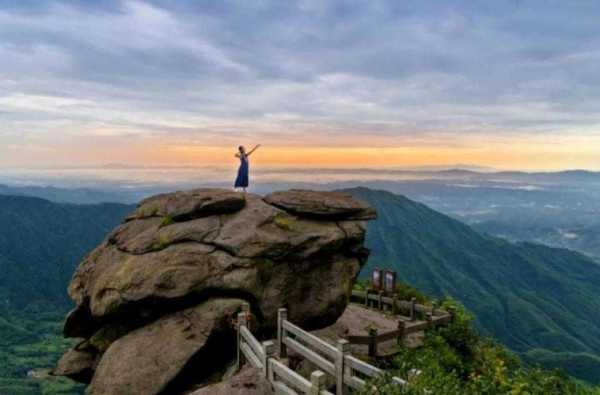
(281, 316)
(380, 300)
(413, 312)
(367, 297)
(401, 330)
(246, 310)
(317, 381)
(343, 348)
(433, 306)
(269, 351)
(452, 312)
(395, 304)
(372, 342)
(241, 321)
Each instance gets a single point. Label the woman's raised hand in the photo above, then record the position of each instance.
(253, 149)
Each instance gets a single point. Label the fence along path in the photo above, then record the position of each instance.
(433, 316)
(349, 372)
(263, 357)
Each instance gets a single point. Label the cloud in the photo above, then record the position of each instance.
(307, 72)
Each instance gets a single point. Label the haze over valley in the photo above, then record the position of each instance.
(559, 209)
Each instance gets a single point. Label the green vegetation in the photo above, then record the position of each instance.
(161, 243)
(166, 222)
(454, 360)
(30, 344)
(529, 297)
(284, 221)
(40, 245)
(42, 242)
(583, 365)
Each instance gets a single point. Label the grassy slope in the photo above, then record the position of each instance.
(528, 296)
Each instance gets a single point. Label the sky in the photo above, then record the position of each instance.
(506, 84)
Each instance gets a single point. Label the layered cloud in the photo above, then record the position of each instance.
(126, 76)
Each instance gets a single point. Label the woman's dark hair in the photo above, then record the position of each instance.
(241, 148)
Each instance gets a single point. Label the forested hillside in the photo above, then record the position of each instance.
(40, 244)
(528, 296)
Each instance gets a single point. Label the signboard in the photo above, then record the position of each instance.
(389, 281)
(376, 279)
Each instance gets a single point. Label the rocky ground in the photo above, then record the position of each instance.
(248, 381)
(156, 300)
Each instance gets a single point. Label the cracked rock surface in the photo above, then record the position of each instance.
(182, 265)
(248, 381)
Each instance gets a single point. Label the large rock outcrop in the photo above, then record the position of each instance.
(156, 299)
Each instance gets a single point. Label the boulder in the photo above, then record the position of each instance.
(148, 359)
(328, 205)
(184, 205)
(248, 381)
(298, 249)
(77, 364)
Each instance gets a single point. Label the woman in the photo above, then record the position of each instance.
(242, 178)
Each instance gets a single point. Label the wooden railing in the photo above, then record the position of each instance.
(433, 317)
(347, 370)
(350, 373)
(412, 308)
(263, 357)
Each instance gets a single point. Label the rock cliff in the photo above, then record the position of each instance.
(156, 300)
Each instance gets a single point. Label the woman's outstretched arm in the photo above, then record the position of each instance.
(253, 149)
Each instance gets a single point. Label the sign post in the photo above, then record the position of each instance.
(377, 279)
(390, 282)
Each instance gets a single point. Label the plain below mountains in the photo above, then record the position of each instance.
(542, 302)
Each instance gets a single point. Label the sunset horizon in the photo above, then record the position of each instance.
(319, 157)
(506, 85)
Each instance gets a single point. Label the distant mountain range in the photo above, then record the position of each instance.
(540, 301)
(72, 195)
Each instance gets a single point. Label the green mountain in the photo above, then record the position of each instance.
(530, 297)
(40, 244)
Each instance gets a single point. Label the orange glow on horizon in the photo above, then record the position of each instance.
(527, 157)
(518, 153)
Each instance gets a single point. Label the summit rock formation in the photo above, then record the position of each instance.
(155, 301)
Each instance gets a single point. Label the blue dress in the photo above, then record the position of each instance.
(242, 177)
